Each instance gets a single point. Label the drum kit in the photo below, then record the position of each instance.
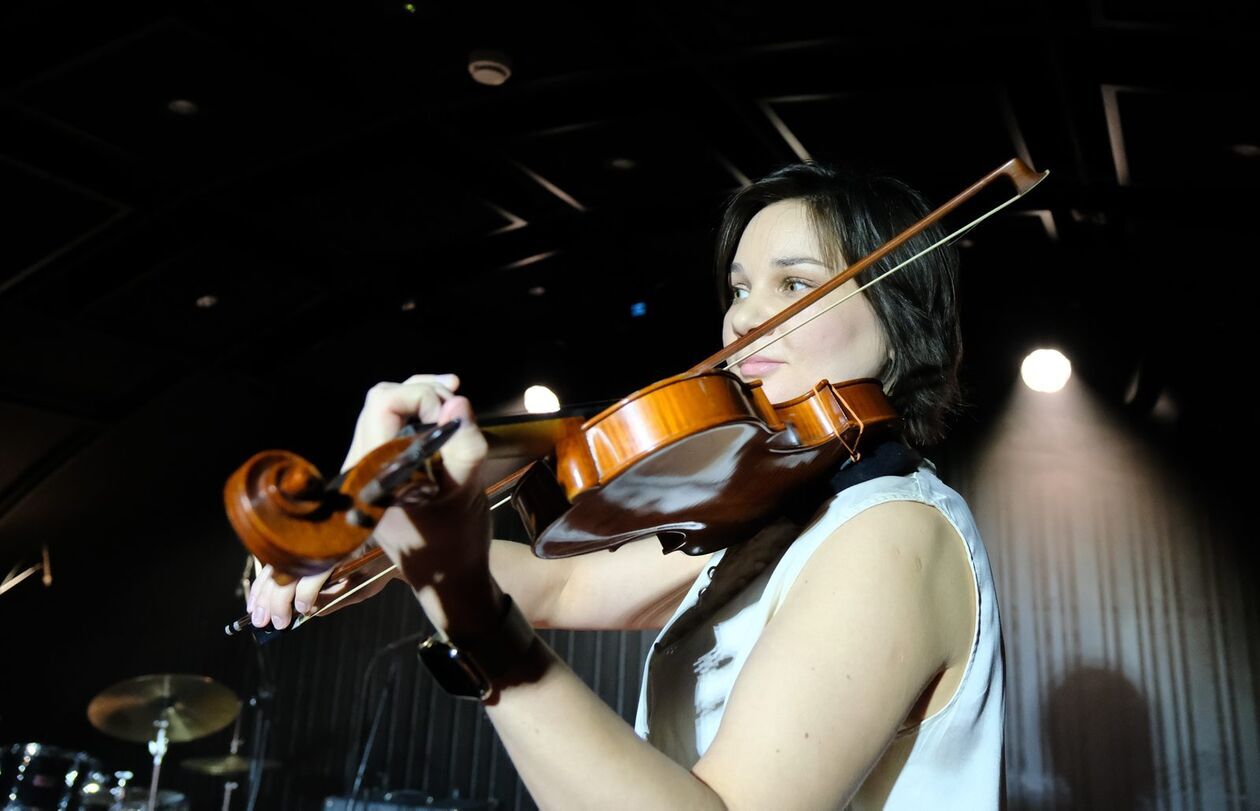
(157, 710)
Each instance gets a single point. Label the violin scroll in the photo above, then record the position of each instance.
(288, 516)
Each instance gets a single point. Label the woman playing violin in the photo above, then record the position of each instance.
(850, 655)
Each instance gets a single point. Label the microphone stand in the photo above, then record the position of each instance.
(371, 738)
(262, 728)
(379, 713)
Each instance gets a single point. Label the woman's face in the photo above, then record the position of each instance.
(777, 262)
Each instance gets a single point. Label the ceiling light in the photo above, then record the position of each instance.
(1046, 370)
(622, 164)
(207, 301)
(1246, 150)
(490, 68)
(183, 107)
(538, 290)
(1166, 409)
(541, 400)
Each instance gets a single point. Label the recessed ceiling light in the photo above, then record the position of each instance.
(490, 68)
(1046, 370)
(207, 301)
(183, 107)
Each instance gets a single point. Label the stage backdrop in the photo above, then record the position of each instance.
(1128, 610)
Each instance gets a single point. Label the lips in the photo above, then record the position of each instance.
(759, 366)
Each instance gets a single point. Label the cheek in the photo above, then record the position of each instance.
(840, 345)
(828, 335)
(728, 332)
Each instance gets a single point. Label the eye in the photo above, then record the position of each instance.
(794, 285)
(738, 293)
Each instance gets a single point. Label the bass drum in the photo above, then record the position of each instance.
(101, 790)
(135, 798)
(38, 776)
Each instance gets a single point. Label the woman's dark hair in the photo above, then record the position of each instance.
(853, 214)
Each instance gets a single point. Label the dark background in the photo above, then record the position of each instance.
(354, 208)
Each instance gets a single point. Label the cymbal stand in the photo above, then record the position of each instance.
(157, 748)
(230, 784)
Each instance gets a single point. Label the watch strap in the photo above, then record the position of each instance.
(478, 667)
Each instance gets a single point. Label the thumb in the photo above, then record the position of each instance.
(464, 452)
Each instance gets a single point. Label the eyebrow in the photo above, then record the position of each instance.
(783, 262)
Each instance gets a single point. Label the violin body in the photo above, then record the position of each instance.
(694, 460)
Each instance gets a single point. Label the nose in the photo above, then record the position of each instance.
(750, 312)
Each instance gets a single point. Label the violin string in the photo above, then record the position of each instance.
(324, 608)
(942, 241)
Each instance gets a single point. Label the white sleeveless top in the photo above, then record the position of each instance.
(955, 758)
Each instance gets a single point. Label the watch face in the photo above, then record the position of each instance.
(452, 671)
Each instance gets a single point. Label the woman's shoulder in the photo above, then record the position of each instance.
(916, 512)
(913, 505)
(891, 518)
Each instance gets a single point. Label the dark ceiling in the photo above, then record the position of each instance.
(352, 207)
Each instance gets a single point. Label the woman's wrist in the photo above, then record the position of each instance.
(464, 606)
(482, 665)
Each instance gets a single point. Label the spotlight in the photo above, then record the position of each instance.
(541, 400)
(1046, 370)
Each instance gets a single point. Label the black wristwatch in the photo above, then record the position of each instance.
(472, 668)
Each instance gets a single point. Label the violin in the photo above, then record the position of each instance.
(694, 459)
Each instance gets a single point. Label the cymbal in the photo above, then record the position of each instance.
(192, 706)
(226, 764)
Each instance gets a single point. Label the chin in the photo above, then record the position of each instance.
(779, 392)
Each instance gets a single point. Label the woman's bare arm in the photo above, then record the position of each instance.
(636, 586)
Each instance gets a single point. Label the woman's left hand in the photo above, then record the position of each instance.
(440, 540)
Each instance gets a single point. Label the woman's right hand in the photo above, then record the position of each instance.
(269, 603)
